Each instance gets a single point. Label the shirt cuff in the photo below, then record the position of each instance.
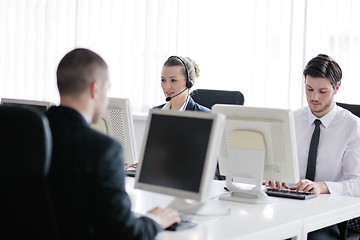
(335, 188)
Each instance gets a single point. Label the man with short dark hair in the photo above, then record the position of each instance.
(87, 177)
(338, 153)
(333, 167)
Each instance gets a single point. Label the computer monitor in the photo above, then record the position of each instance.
(118, 123)
(258, 144)
(179, 156)
(42, 106)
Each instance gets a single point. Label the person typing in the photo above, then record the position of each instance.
(328, 140)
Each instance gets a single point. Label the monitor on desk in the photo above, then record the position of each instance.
(179, 156)
(42, 106)
(258, 144)
(118, 123)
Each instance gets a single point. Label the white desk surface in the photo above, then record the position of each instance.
(280, 219)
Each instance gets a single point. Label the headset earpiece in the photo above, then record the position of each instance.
(189, 81)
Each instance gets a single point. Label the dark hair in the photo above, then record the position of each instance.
(191, 65)
(324, 66)
(76, 69)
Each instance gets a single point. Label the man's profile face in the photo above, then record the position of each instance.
(320, 94)
(102, 100)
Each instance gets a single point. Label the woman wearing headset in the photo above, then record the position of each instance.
(177, 77)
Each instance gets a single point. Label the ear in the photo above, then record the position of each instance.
(336, 88)
(94, 88)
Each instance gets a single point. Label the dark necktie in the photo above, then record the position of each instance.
(311, 166)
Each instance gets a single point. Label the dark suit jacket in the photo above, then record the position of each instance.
(87, 183)
(192, 106)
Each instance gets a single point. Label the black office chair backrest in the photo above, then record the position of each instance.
(354, 108)
(25, 155)
(210, 97)
(353, 224)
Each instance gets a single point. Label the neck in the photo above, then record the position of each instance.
(178, 102)
(80, 104)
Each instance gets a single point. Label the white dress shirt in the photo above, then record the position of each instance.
(338, 158)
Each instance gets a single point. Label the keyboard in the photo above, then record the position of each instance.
(286, 193)
(184, 224)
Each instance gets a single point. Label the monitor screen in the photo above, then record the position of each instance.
(258, 144)
(118, 123)
(179, 153)
(42, 106)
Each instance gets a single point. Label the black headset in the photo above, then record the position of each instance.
(189, 81)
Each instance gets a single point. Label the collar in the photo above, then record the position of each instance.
(84, 114)
(326, 119)
(166, 106)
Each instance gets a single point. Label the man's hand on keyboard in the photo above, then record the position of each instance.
(304, 185)
(277, 185)
(312, 187)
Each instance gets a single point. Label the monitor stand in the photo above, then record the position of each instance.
(186, 206)
(245, 167)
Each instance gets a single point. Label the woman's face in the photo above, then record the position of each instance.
(173, 81)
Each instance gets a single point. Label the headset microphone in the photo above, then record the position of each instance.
(169, 98)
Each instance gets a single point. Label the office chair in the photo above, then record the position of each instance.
(353, 224)
(210, 97)
(25, 152)
(354, 108)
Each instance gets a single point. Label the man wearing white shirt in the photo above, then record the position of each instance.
(338, 158)
(338, 154)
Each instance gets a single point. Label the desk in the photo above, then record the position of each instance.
(280, 219)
